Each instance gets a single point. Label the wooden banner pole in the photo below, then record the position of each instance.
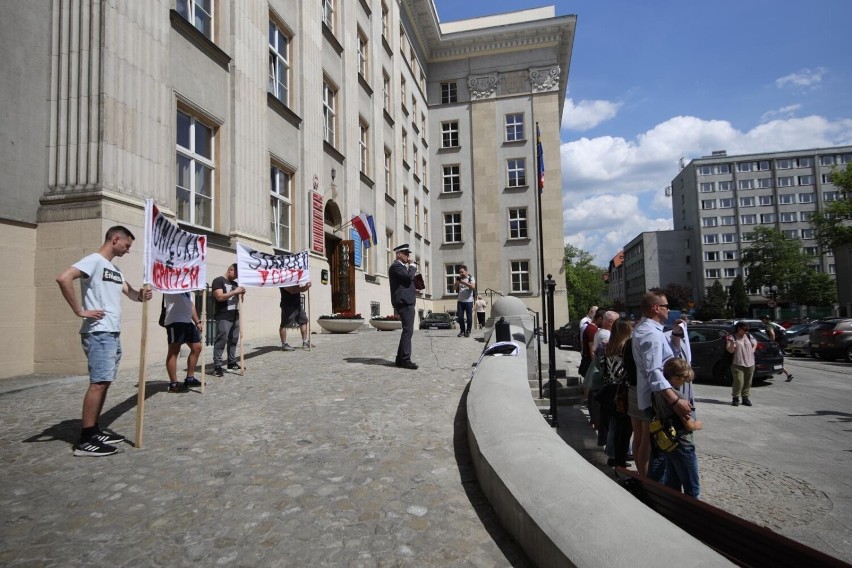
(308, 310)
(140, 394)
(240, 318)
(203, 335)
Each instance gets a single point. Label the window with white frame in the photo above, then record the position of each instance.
(425, 222)
(405, 211)
(785, 164)
(364, 147)
(808, 234)
(414, 112)
(194, 186)
(385, 22)
(746, 237)
(811, 251)
(711, 256)
(403, 94)
(726, 203)
(744, 166)
(709, 222)
(415, 158)
(518, 223)
(451, 179)
(786, 181)
(845, 158)
(416, 215)
(516, 172)
(768, 218)
(711, 239)
(826, 160)
(745, 184)
(788, 217)
(764, 183)
(519, 275)
(725, 185)
(390, 244)
(832, 269)
(748, 219)
(404, 146)
(829, 196)
(279, 63)
(708, 204)
(514, 127)
(729, 237)
(786, 198)
(363, 54)
(806, 180)
(791, 233)
(328, 14)
(451, 271)
(766, 200)
(199, 13)
(386, 91)
(730, 255)
(280, 197)
(388, 169)
(329, 113)
(746, 201)
(706, 187)
(807, 197)
(450, 134)
(449, 93)
(729, 220)
(712, 273)
(805, 162)
(452, 228)
(731, 272)
(805, 216)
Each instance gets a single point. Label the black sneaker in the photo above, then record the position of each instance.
(108, 438)
(94, 448)
(191, 382)
(177, 387)
(218, 372)
(233, 367)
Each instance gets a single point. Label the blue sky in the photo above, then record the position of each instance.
(651, 82)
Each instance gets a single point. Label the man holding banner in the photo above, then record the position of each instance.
(102, 285)
(227, 293)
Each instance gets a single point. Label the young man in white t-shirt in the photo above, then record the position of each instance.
(102, 285)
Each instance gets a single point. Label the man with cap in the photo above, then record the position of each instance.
(403, 297)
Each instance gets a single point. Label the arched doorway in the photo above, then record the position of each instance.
(341, 261)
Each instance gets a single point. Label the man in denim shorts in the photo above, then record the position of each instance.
(102, 285)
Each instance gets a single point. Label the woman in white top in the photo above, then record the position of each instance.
(742, 345)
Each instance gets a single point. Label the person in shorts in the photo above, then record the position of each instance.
(101, 286)
(293, 314)
(182, 328)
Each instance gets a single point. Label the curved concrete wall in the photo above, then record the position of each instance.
(562, 510)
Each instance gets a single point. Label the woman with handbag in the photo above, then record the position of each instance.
(620, 428)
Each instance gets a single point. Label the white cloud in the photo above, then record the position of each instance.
(802, 78)
(585, 115)
(786, 112)
(613, 188)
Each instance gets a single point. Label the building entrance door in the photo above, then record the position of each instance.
(341, 259)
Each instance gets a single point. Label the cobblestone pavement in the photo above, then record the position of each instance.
(329, 457)
(783, 464)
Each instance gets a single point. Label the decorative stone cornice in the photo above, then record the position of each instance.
(482, 86)
(545, 78)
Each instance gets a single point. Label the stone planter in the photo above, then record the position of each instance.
(340, 325)
(386, 325)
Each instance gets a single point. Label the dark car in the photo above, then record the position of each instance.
(437, 320)
(568, 336)
(712, 362)
(832, 338)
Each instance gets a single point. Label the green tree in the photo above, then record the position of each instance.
(814, 289)
(585, 282)
(715, 303)
(677, 296)
(773, 259)
(738, 298)
(834, 224)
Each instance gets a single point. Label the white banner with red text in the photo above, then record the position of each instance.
(175, 260)
(262, 270)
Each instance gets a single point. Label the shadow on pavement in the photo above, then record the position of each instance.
(467, 474)
(370, 361)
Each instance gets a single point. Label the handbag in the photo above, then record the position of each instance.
(620, 399)
(594, 375)
(664, 434)
(419, 284)
(162, 320)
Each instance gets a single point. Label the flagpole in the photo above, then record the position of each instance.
(540, 183)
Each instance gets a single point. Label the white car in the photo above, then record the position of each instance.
(800, 343)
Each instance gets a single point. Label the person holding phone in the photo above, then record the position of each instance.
(465, 287)
(742, 345)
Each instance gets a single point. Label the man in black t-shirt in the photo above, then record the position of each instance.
(227, 293)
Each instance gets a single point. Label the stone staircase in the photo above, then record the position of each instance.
(568, 392)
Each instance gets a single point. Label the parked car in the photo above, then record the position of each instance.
(568, 335)
(437, 320)
(799, 342)
(712, 362)
(832, 338)
(795, 329)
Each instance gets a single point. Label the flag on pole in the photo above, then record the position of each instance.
(540, 153)
(262, 270)
(360, 224)
(174, 260)
(375, 237)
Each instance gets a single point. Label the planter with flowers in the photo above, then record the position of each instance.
(386, 323)
(342, 322)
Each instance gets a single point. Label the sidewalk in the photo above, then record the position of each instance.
(332, 457)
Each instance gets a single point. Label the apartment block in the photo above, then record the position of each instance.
(272, 124)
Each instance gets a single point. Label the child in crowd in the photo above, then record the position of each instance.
(682, 462)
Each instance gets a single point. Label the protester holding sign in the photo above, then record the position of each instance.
(182, 327)
(226, 292)
(101, 284)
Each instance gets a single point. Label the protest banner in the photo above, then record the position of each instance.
(262, 270)
(175, 260)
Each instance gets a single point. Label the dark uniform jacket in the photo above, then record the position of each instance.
(402, 288)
